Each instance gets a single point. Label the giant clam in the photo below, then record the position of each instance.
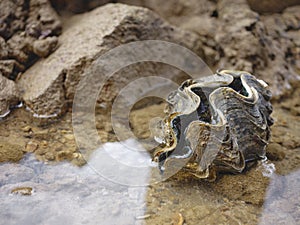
(219, 123)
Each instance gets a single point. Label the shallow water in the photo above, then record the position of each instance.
(66, 194)
(121, 185)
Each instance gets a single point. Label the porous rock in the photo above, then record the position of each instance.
(50, 83)
(25, 24)
(250, 43)
(9, 95)
(235, 36)
(10, 152)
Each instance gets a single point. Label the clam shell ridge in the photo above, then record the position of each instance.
(218, 123)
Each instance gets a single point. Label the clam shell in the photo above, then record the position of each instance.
(218, 123)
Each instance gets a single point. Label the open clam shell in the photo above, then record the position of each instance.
(217, 123)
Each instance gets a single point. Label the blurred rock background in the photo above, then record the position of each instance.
(261, 37)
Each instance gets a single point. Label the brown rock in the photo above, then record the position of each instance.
(65, 155)
(271, 6)
(275, 152)
(49, 156)
(254, 45)
(24, 26)
(31, 146)
(10, 152)
(235, 37)
(88, 36)
(69, 137)
(22, 191)
(9, 95)
(45, 46)
(26, 128)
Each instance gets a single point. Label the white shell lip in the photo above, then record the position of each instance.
(263, 83)
(5, 114)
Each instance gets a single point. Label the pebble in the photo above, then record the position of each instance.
(22, 191)
(275, 152)
(44, 143)
(49, 156)
(26, 129)
(69, 136)
(41, 151)
(65, 155)
(53, 130)
(31, 146)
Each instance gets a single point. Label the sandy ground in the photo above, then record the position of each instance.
(234, 199)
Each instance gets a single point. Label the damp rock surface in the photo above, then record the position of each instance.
(86, 37)
(9, 95)
(235, 36)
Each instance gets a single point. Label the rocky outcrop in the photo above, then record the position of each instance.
(9, 95)
(258, 45)
(28, 31)
(85, 38)
(234, 36)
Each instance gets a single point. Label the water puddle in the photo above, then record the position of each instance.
(112, 189)
(65, 194)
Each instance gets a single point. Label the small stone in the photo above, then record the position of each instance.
(76, 155)
(65, 155)
(10, 152)
(80, 161)
(22, 191)
(44, 143)
(26, 129)
(49, 156)
(43, 47)
(275, 152)
(31, 146)
(69, 137)
(41, 151)
(52, 130)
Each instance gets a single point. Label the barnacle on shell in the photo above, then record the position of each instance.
(218, 123)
